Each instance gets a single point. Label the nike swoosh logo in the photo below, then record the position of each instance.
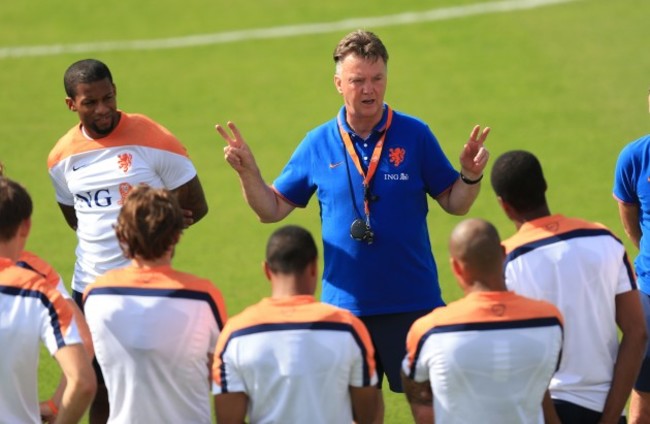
(75, 168)
(334, 165)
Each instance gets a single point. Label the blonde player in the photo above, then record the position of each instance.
(154, 328)
(289, 358)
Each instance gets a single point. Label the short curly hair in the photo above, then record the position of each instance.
(150, 222)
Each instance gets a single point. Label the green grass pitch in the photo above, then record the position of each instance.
(567, 81)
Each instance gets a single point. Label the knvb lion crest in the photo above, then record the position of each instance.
(396, 155)
(498, 309)
(124, 161)
(552, 226)
(125, 188)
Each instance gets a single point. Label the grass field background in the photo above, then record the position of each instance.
(567, 81)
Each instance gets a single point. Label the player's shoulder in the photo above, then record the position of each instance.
(27, 281)
(65, 146)
(34, 261)
(195, 283)
(141, 130)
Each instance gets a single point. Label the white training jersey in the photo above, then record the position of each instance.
(30, 311)
(295, 359)
(488, 357)
(95, 176)
(579, 267)
(154, 331)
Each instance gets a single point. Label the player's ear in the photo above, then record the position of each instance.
(313, 268)
(509, 211)
(70, 104)
(25, 227)
(267, 270)
(456, 267)
(337, 83)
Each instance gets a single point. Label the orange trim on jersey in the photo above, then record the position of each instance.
(481, 307)
(546, 227)
(296, 309)
(132, 130)
(39, 265)
(163, 277)
(25, 279)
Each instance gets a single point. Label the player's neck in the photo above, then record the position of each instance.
(165, 260)
(289, 286)
(540, 212)
(11, 249)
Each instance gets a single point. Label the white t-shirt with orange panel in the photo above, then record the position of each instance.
(295, 359)
(30, 311)
(154, 331)
(95, 176)
(488, 357)
(580, 267)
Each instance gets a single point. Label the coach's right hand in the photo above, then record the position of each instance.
(237, 153)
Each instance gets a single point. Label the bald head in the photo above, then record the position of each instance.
(475, 245)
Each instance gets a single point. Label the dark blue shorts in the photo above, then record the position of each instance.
(643, 380)
(388, 333)
(570, 413)
(78, 299)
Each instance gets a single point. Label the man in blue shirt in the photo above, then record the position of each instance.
(632, 191)
(371, 168)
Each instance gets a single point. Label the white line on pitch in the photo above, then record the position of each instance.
(280, 32)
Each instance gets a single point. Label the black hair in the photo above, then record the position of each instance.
(15, 207)
(517, 178)
(290, 250)
(84, 72)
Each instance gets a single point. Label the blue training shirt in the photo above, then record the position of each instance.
(397, 273)
(632, 185)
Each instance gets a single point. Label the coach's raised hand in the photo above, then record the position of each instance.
(236, 152)
(258, 194)
(474, 156)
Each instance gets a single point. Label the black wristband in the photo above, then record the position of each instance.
(470, 182)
